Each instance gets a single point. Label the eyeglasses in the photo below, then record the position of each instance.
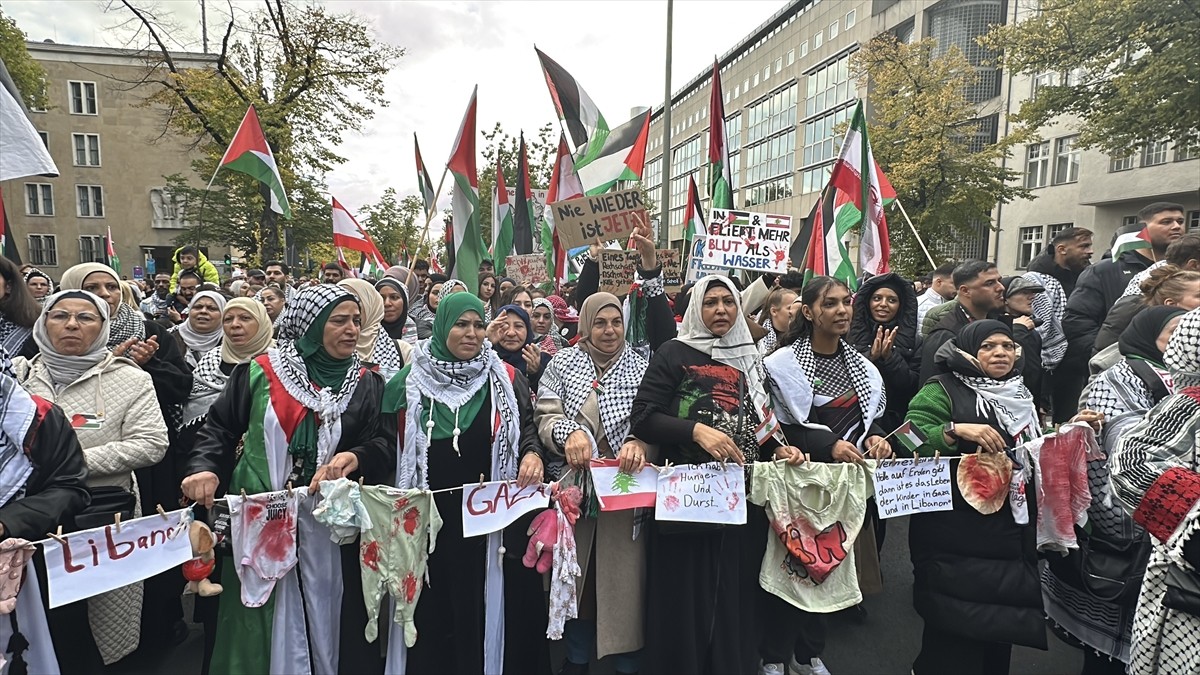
(82, 318)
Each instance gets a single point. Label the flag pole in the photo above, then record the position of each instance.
(429, 215)
(914, 231)
(664, 216)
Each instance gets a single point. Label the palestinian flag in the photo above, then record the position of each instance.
(8, 242)
(821, 243)
(564, 184)
(720, 181)
(523, 217)
(110, 252)
(910, 437)
(426, 185)
(249, 153)
(693, 216)
(622, 158)
(502, 223)
(22, 152)
(347, 233)
(464, 242)
(575, 108)
(1131, 241)
(867, 190)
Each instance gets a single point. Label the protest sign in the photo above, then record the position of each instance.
(907, 486)
(702, 493)
(617, 269)
(618, 491)
(748, 241)
(696, 267)
(488, 507)
(95, 561)
(528, 270)
(606, 217)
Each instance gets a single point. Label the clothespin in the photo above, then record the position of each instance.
(243, 493)
(480, 480)
(937, 455)
(289, 488)
(57, 537)
(117, 521)
(360, 481)
(162, 512)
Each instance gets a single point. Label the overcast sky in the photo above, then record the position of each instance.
(614, 48)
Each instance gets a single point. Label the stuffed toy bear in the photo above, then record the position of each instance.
(543, 531)
(197, 569)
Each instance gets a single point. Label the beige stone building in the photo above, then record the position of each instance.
(787, 87)
(111, 156)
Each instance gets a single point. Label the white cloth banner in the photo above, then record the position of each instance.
(702, 493)
(92, 562)
(489, 507)
(22, 152)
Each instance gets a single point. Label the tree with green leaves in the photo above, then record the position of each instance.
(924, 135)
(396, 225)
(541, 148)
(26, 73)
(1128, 69)
(313, 75)
(624, 482)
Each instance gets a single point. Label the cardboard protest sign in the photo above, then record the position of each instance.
(618, 491)
(488, 507)
(528, 270)
(618, 268)
(696, 267)
(748, 241)
(95, 561)
(908, 486)
(702, 493)
(583, 221)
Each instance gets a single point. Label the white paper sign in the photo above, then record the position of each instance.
(493, 506)
(702, 493)
(618, 491)
(92, 562)
(912, 486)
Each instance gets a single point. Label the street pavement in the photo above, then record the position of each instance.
(885, 642)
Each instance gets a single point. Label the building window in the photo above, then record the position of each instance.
(833, 30)
(828, 87)
(1041, 80)
(773, 159)
(791, 57)
(819, 137)
(1066, 160)
(1031, 245)
(1037, 165)
(83, 97)
(45, 138)
(43, 250)
(1128, 221)
(1120, 164)
(1074, 77)
(733, 133)
(44, 91)
(1193, 222)
(818, 40)
(39, 199)
(87, 149)
(91, 201)
(756, 78)
(91, 248)
(652, 179)
(1155, 153)
(772, 114)
(1184, 152)
(851, 18)
(685, 158)
(746, 86)
(804, 49)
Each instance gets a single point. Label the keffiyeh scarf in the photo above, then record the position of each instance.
(1182, 356)
(208, 381)
(1134, 287)
(12, 336)
(1009, 400)
(571, 378)
(17, 412)
(1050, 306)
(1119, 389)
(129, 323)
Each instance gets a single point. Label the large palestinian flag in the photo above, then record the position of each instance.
(249, 153)
(564, 184)
(720, 181)
(575, 108)
(622, 158)
(426, 185)
(463, 237)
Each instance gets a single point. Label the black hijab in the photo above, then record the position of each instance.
(1141, 335)
(515, 358)
(959, 354)
(863, 325)
(395, 329)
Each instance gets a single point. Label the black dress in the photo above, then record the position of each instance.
(702, 581)
(450, 615)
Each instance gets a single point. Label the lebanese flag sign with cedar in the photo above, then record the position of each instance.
(866, 190)
(249, 153)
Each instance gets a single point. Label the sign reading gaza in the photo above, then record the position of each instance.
(748, 241)
(583, 221)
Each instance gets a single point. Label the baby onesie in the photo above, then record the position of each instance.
(394, 552)
(14, 553)
(263, 534)
(341, 510)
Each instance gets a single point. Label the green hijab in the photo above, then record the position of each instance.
(323, 369)
(437, 367)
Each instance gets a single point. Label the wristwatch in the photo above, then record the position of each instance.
(950, 431)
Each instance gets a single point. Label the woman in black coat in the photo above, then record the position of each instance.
(884, 329)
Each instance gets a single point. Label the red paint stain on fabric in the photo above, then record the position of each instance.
(400, 503)
(411, 518)
(410, 588)
(984, 480)
(370, 555)
(278, 538)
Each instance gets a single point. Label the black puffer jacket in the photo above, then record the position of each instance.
(902, 368)
(1097, 291)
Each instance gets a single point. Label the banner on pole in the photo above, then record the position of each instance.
(488, 507)
(606, 217)
(95, 561)
(747, 240)
(528, 269)
(617, 269)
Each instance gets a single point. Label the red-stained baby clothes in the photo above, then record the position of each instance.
(394, 552)
(263, 534)
(14, 553)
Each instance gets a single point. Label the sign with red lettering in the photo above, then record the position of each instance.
(748, 241)
(607, 217)
(702, 493)
(488, 507)
(527, 269)
(92, 562)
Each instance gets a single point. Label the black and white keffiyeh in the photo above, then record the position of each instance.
(129, 323)
(1009, 400)
(1134, 287)
(12, 336)
(208, 381)
(571, 378)
(1182, 356)
(1050, 306)
(1119, 389)
(17, 412)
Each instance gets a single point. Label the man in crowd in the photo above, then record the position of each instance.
(256, 277)
(941, 289)
(1183, 253)
(486, 265)
(1020, 294)
(421, 269)
(980, 295)
(189, 283)
(1097, 290)
(278, 273)
(1056, 270)
(331, 273)
(156, 303)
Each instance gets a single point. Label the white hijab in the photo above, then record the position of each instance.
(195, 340)
(64, 369)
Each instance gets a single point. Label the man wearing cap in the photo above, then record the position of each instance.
(257, 277)
(1019, 293)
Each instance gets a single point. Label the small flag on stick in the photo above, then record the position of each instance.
(910, 437)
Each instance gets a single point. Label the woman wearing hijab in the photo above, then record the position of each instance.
(976, 581)
(376, 348)
(200, 332)
(584, 401)
(305, 411)
(1139, 380)
(410, 285)
(566, 319)
(396, 320)
(40, 284)
(423, 312)
(542, 320)
(489, 295)
(883, 328)
(511, 335)
(702, 399)
(1154, 478)
(247, 332)
(114, 412)
(463, 413)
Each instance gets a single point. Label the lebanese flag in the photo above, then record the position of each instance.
(564, 184)
(249, 153)
(623, 157)
(720, 181)
(866, 190)
(464, 243)
(347, 233)
(618, 491)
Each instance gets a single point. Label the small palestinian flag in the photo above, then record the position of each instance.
(1131, 241)
(249, 153)
(910, 437)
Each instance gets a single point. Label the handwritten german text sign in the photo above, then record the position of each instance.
(583, 221)
(702, 493)
(908, 486)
